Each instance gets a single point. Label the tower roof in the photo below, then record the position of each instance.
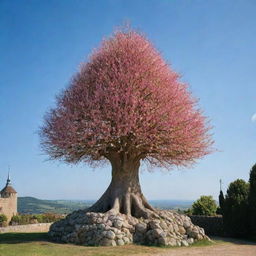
(8, 189)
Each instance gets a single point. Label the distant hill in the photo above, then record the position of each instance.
(31, 205)
(172, 204)
(34, 206)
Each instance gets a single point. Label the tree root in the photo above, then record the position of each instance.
(133, 204)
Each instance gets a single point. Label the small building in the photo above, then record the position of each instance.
(8, 200)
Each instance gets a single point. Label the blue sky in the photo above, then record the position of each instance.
(211, 43)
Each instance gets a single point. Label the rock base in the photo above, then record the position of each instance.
(108, 229)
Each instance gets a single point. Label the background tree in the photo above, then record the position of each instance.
(235, 209)
(126, 105)
(221, 203)
(252, 201)
(205, 205)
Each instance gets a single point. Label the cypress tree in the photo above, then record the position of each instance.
(235, 214)
(221, 202)
(252, 201)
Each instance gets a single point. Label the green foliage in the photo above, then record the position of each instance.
(252, 201)
(24, 219)
(221, 202)
(219, 211)
(235, 209)
(204, 242)
(205, 205)
(3, 220)
(188, 211)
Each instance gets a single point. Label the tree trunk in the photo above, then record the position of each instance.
(124, 193)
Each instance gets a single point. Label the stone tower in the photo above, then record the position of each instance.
(8, 200)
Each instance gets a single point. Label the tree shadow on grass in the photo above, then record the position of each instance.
(16, 238)
(234, 240)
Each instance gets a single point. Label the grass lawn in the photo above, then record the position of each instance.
(37, 244)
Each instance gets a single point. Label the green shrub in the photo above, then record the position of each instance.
(3, 220)
(235, 209)
(24, 219)
(205, 205)
(15, 219)
(20, 219)
(188, 211)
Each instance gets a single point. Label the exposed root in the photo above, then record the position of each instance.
(130, 204)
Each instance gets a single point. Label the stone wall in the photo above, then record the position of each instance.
(30, 228)
(8, 206)
(111, 229)
(213, 225)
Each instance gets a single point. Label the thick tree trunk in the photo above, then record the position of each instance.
(124, 193)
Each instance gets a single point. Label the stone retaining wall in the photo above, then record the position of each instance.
(212, 225)
(30, 228)
(111, 229)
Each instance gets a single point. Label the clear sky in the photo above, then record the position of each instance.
(211, 43)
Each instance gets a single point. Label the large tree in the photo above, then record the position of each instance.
(126, 105)
(252, 201)
(235, 215)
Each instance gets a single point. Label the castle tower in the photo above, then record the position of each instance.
(8, 200)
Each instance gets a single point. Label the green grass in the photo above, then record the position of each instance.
(37, 244)
(203, 243)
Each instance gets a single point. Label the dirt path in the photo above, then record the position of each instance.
(230, 247)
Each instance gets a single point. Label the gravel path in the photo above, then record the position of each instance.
(231, 247)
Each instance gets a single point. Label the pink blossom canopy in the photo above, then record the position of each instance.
(126, 99)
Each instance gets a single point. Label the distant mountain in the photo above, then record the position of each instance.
(31, 205)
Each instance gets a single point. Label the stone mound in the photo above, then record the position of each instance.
(108, 229)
